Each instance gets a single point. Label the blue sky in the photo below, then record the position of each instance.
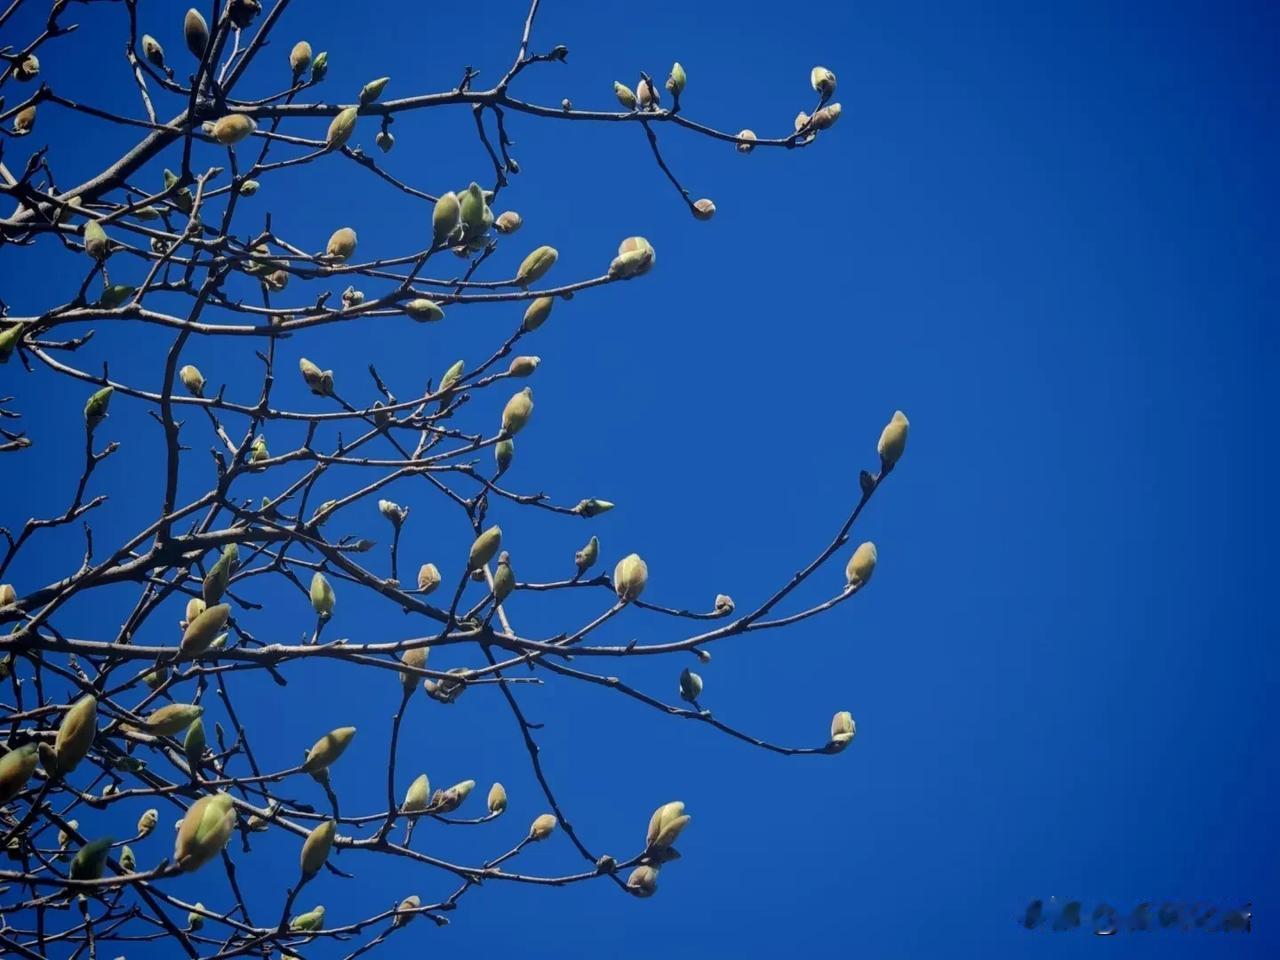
(1046, 232)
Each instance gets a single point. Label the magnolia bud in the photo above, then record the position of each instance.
(591, 507)
(417, 657)
(394, 513)
(9, 338)
(147, 822)
(328, 749)
(704, 209)
(372, 90)
(646, 96)
(342, 244)
(802, 121)
(445, 218)
(154, 678)
(196, 32)
(204, 629)
(320, 381)
(643, 881)
(497, 798)
(341, 127)
(204, 831)
(28, 68)
(587, 556)
(451, 376)
(351, 297)
(90, 860)
(690, 686)
(233, 128)
(535, 265)
(893, 440)
(128, 862)
(630, 576)
(320, 66)
(446, 801)
(311, 920)
(624, 95)
(542, 827)
(385, 140)
(95, 408)
(485, 546)
(746, 141)
(862, 564)
(503, 452)
(405, 911)
(665, 825)
(523, 366)
(842, 730)
(192, 379)
(823, 81)
(195, 920)
(322, 596)
(152, 50)
(16, 768)
(418, 795)
(96, 243)
(64, 837)
(635, 257)
(258, 450)
(114, 295)
(724, 604)
(826, 117)
(474, 212)
(219, 575)
(300, 58)
(676, 79)
(172, 718)
(315, 849)
(504, 579)
(508, 222)
(428, 577)
(517, 412)
(25, 120)
(194, 742)
(537, 312)
(76, 733)
(423, 310)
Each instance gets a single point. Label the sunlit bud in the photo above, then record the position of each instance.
(405, 911)
(128, 862)
(676, 79)
(385, 140)
(95, 408)
(624, 95)
(591, 507)
(508, 222)
(64, 836)
(25, 121)
(172, 718)
(862, 564)
(204, 629)
(746, 141)
(690, 685)
(320, 381)
(16, 768)
(76, 733)
(394, 513)
(311, 920)
(517, 412)
(152, 50)
(300, 58)
(893, 440)
(276, 280)
(497, 798)
(315, 850)
(372, 90)
(9, 338)
(523, 366)
(537, 312)
(328, 749)
(28, 68)
(842, 731)
(635, 257)
(194, 742)
(96, 243)
(233, 128)
(630, 576)
(195, 919)
(473, 209)
(535, 265)
(351, 297)
(503, 453)
(322, 597)
(147, 213)
(418, 795)
(646, 96)
(192, 379)
(428, 577)
(219, 576)
(445, 218)
(566, 104)
(504, 579)
(724, 604)
(196, 32)
(417, 657)
(341, 127)
(826, 117)
(606, 864)
(704, 209)
(90, 860)
(153, 678)
(447, 801)
(204, 831)
(823, 81)
(587, 556)
(342, 244)
(115, 294)
(423, 310)
(485, 546)
(665, 825)
(258, 450)
(147, 822)
(802, 121)
(542, 827)
(643, 881)
(320, 65)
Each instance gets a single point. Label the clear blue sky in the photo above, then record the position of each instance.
(1045, 231)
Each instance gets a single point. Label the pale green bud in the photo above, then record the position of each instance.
(504, 580)
(204, 831)
(311, 920)
(96, 243)
(128, 862)
(446, 801)
(587, 556)
(428, 577)
(497, 798)
(219, 576)
(504, 452)
(315, 850)
(147, 822)
(823, 81)
(523, 366)
(322, 596)
(300, 58)
(385, 140)
(508, 222)
(418, 796)
(537, 312)
(9, 338)
(862, 564)
(451, 376)
(90, 860)
(328, 749)
(258, 451)
(394, 513)
(484, 547)
(76, 733)
(423, 310)
(535, 265)
(172, 718)
(591, 507)
(194, 742)
(233, 128)
(195, 919)
(114, 295)
(630, 577)
(665, 825)
(341, 127)
(636, 256)
(196, 32)
(320, 66)
(192, 379)
(417, 657)
(746, 141)
(517, 412)
(342, 244)
(893, 440)
(676, 79)
(16, 768)
(542, 827)
(643, 881)
(372, 90)
(204, 629)
(704, 209)
(445, 218)
(842, 731)
(96, 407)
(152, 50)
(690, 686)
(319, 381)
(624, 95)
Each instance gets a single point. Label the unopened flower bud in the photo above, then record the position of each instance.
(484, 548)
(315, 849)
(300, 58)
(96, 407)
(504, 579)
(724, 604)
(423, 310)
(342, 244)
(195, 919)
(204, 629)
(96, 243)
(826, 117)
(587, 556)
(351, 297)
(196, 33)
(90, 860)
(232, 128)
(666, 824)
(862, 564)
(497, 798)
(517, 412)
(152, 50)
(372, 90)
(535, 265)
(704, 209)
(325, 751)
(624, 95)
(646, 96)
(537, 312)
(394, 513)
(842, 731)
(746, 141)
(417, 658)
(591, 507)
(25, 121)
(428, 577)
(823, 81)
(893, 440)
(630, 577)
(322, 596)
(128, 862)
(204, 831)
(385, 140)
(445, 218)
(418, 795)
(313, 919)
(503, 453)
(542, 827)
(147, 822)
(508, 222)
(341, 127)
(676, 79)
(16, 768)
(523, 366)
(690, 686)
(27, 69)
(643, 881)
(319, 381)
(192, 379)
(320, 66)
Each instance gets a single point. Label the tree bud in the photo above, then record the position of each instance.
(315, 849)
(823, 81)
(537, 312)
(320, 66)
(96, 243)
(406, 910)
(147, 822)
(16, 768)
(508, 222)
(445, 218)
(523, 366)
(341, 127)
(485, 546)
(76, 733)
(128, 862)
(204, 629)
(172, 719)
(624, 95)
(504, 579)
(746, 141)
(152, 50)
(704, 209)
(893, 440)
(497, 798)
(842, 731)
(300, 58)
(447, 801)
(232, 128)
(192, 379)
(690, 686)
(95, 408)
(591, 507)
(535, 265)
(503, 453)
(342, 244)
(204, 831)
(630, 577)
(517, 412)
(372, 90)
(724, 604)
(587, 556)
(665, 825)
(258, 451)
(428, 577)
(322, 596)
(542, 827)
(418, 795)
(320, 381)
(826, 117)
(676, 79)
(196, 33)
(90, 860)
(862, 564)
(646, 96)
(394, 513)
(328, 749)
(643, 881)
(385, 140)
(423, 310)
(25, 121)
(194, 742)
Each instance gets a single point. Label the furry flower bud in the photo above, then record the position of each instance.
(537, 312)
(394, 513)
(504, 452)
(862, 564)
(172, 718)
(232, 128)
(322, 595)
(625, 95)
(690, 686)
(204, 831)
(517, 412)
(523, 366)
(542, 827)
(428, 577)
(485, 546)
(630, 577)
(372, 90)
(341, 128)
(192, 379)
(508, 222)
(704, 209)
(325, 751)
(587, 556)
(665, 825)
(196, 33)
(893, 440)
(445, 218)
(90, 860)
(300, 58)
(823, 81)
(96, 242)
(842, 731)
(342, 244)
(535, 265)
(826, 117)
(147, 822)
(16, 768)
(76, 733)
(497, 798)
(646, 96)
(152, 50)
(319, 381)
(504, 578)
(204, 629)
(676, 79)
(315, 849)
(591, 507)
(423, 310)
(95, 408)
(643, 881)
(418, 796)
(746, 141)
